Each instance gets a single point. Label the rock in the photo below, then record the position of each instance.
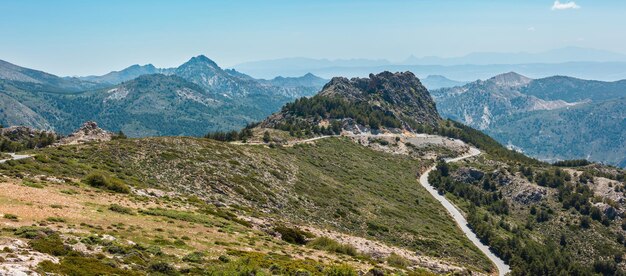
(525, 192)
(608, 210)
(88, 132)
(400, 95)
(468, 175)
(501, 178)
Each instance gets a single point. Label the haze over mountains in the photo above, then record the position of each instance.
(548, 118)
(570, 61)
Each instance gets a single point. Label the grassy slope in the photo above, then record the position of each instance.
(334, 184)
(180, 227)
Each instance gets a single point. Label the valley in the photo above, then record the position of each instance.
(312, 138)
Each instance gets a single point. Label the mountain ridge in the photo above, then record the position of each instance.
(506, 106)
(183, 96)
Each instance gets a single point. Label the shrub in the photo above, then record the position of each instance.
(55, 219)
(112, 184)
(340, 270)
(162, 268)
(118, 186)
(324, 243)
(51, 244)
(121, 209)
(75, 265)
(31, 232)
(585, 222)
(293, 235)
(398, 261)
(195, 257)
(10, 216)
(95, 180)
(266, 137)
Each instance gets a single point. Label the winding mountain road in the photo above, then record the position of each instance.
(458, 217)
(502, 267)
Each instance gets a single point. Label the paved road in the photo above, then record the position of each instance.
(15, 157)
(458, 217)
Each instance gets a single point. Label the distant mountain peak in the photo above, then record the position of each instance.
(202, 59)
(510, 79)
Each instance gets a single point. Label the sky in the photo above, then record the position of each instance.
(70, 38)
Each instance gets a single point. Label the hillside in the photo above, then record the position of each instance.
(509, 105)
(334, 204)
(298, 187)
(387, 101)
(192, 99)
(593, 131)
(126, 74)
(437, 81)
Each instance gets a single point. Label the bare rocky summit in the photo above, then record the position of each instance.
(88, 132)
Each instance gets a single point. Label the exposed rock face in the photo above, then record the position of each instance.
(398, 95)
(480, 104)
(18, 133)
(88, 132)
(468, 175)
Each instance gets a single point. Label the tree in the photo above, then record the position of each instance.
(266, 137)
(120, 135)
(443, 168)
(585, 222)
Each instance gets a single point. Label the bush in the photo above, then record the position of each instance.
(95, 180)
(121, 209)
(398, 261)
(293, 235)
(31, 232)
(10, 216)
(585, 222)
(75, 265)
(55, 219)
(324, 243)
(340, 270)
(98, 180)
(195, 257)
(118, 186)
(51, 244)
(162, 267)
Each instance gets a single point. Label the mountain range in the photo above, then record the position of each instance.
(364, 178)
(570, 61)
(192, 99)
(552, 118)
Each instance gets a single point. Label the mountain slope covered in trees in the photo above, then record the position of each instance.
(192, 99)
(552, 118)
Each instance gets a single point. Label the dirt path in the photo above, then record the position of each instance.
(458, 217)
(15, 157)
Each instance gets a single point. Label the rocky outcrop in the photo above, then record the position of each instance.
(401, 94)
(362, 105)
(88, 132)
(468, 175)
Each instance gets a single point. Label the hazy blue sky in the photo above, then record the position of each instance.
(94, 37)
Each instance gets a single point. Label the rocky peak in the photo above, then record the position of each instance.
(201, 60)
(510, 79)
(399, 97)
(88, 132)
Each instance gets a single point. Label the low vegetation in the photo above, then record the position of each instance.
(548, 237)
(99, 180)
